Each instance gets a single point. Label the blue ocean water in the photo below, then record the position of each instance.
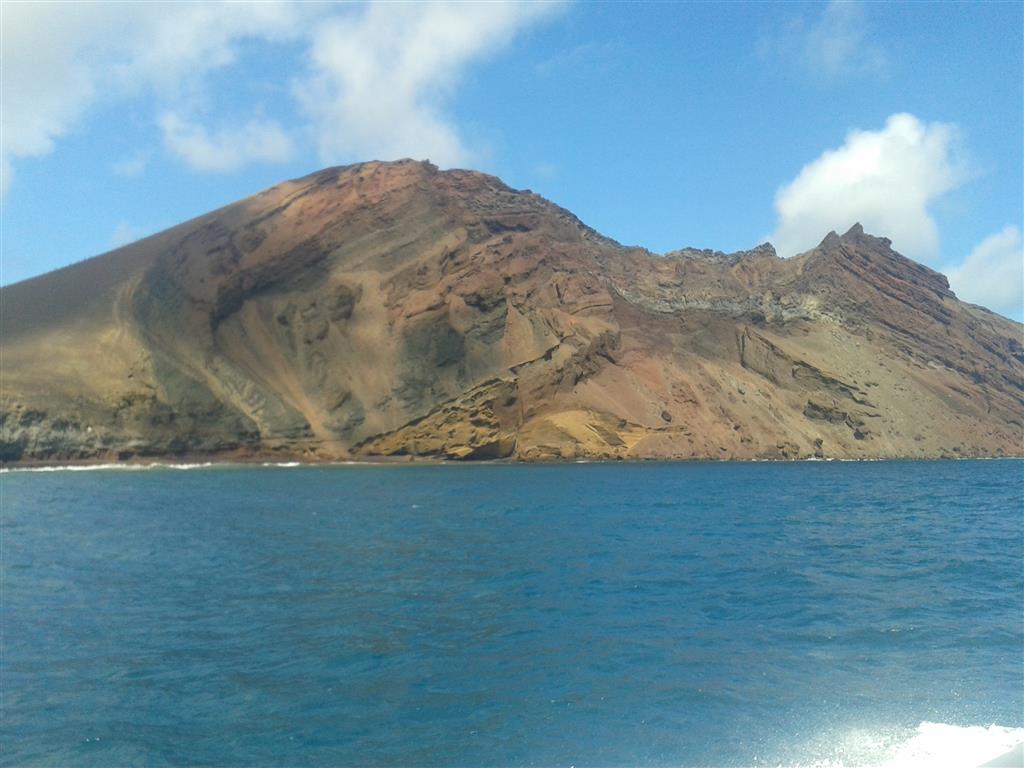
(606, 615)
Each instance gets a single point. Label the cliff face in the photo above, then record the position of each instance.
(392, 309)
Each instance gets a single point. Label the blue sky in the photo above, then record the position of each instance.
(664, 125)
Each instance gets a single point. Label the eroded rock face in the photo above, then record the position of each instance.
(392, 309)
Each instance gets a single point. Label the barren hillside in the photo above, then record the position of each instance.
(393, 309)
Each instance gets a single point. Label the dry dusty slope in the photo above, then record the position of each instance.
(392, 309)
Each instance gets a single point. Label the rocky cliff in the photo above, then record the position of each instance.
(390, 309)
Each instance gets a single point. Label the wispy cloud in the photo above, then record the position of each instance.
(132, 166)
(993, 273)
(886, 179)
(838, 43)
(123, 234)
(585, 56)
(228, 149)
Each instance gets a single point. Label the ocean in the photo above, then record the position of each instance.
(662, 614)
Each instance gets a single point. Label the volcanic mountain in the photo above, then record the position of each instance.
(392, 309)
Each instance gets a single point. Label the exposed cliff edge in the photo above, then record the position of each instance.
(393, 309)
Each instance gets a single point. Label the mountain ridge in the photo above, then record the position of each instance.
(385, 309)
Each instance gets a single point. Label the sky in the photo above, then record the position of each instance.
(664, 125)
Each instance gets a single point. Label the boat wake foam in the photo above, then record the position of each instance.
(931, 745)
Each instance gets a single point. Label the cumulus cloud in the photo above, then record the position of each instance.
(993, 273)
(229, 148)
(377, 81)
(886, 179)
(380, 78)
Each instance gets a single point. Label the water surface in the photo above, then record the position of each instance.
(638, 614)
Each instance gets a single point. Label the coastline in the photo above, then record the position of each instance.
(291, 462)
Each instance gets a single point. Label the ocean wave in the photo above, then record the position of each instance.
(931, 745)
(127, 467)
(106, 467)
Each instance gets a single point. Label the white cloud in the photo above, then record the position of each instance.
(228, 149)
(837, 44)
(885, 179)
(993, 273)
(60, 59)
(123, 234)
(381, 77)
(43, 87)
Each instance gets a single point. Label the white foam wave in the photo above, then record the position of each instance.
(97, 467)
(133, 467)
(939, 744)
(931, 745)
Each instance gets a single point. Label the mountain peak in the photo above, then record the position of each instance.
(853, 235)
(830, 242)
